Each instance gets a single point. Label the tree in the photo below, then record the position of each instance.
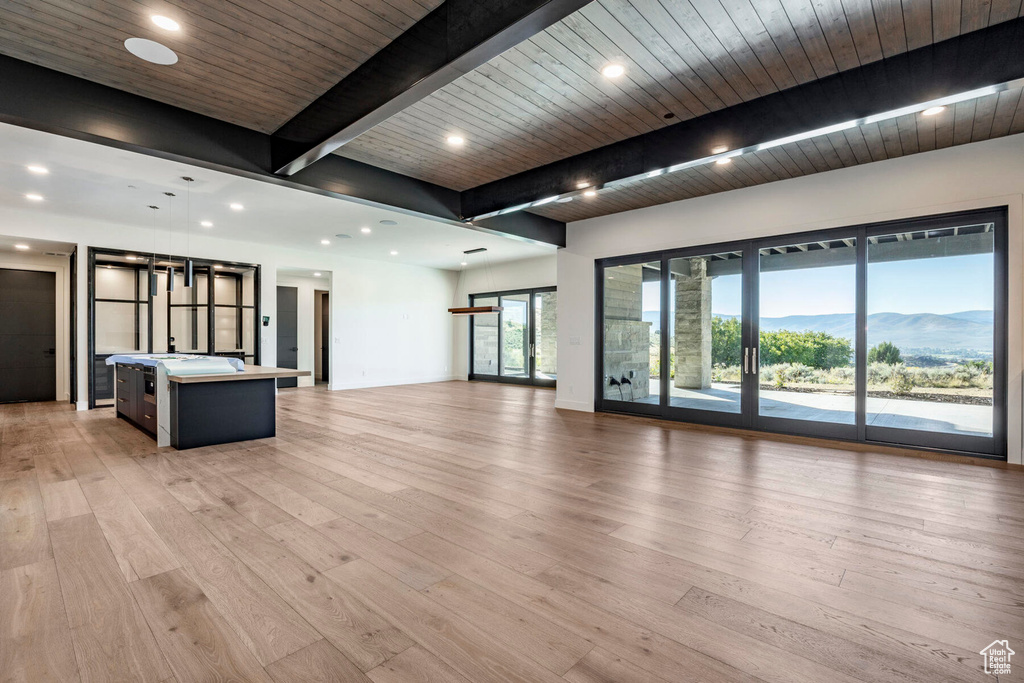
(813, 349)
(725, 341)
(886, 352)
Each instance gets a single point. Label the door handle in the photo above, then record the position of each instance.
(746, 360)
(753, 366)
(295, 348)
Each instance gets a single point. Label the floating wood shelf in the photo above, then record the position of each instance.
(474, 310)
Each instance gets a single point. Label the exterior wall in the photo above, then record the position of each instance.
(547, 343)
(973, 176)
(693, 327)
(628, 338)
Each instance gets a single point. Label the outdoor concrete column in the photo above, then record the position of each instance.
(693, 327)
(548, 342)
(627, 338)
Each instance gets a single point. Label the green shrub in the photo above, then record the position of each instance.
(901, 382)
(815, 349)
(886, 353)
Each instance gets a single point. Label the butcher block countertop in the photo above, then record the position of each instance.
(250, 372)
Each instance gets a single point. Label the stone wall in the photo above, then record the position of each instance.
(485, 344)
(547, 334)
(693, 327)
(627, 337)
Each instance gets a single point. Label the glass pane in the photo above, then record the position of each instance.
(115, 327)
(632, 336)
(705, 307)
(248, 288)
(546, 349)
(143, 323)
(224, 289)
(485, 339)
(188, 327)
(930, 330)
(160, 314)
(808, 297)
(248, 331)
(114, 282)
(227, 322)
(515, 343)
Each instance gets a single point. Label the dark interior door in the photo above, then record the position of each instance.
(287, 333)
(325, 337)
(28, 336)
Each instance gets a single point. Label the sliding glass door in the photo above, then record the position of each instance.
(890, 333)
(517, 344)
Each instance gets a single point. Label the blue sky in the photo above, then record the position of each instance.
(938, 285)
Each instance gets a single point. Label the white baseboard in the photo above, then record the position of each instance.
(369, 384)
(581, 406)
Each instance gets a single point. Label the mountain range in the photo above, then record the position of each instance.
(917, 332)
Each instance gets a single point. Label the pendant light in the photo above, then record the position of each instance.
(475, 310)
(170, 268)
(189, 271)
(152, 264)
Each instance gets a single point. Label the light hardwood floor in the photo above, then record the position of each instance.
(469, 532)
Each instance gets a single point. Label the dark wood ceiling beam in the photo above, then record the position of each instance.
(58, 103)
(974, 60)
(455, 38)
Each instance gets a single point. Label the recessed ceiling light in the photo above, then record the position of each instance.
(724, 161)
(463, 264)
(343, 236)
(132, 258)
(325, 242)
(32, 197)
(38, 170)
(613, 70)
(166, 23)
(206, 224)
(366, 231)
(590, 193)
(151, 51)
(932, 111)
(564, 200)
(388, 222)
(316, 274)
(456, 140)
(217, 267)
(21, 247)
(235, 206)
(394, 253)
(719, 149)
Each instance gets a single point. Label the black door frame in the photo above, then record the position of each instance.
(988, 447)
(531, 329)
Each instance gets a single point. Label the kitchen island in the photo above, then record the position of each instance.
(192, 401)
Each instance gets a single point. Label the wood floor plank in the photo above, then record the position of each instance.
(112, 639)
(319, 663)
(35, 641)
(359, 633)
(468, 532)
(267, 625)
(194, 637)
(415, 665)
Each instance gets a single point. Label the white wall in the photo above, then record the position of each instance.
(389, 321)
(62, 273)
(972, 176)
(523, 274)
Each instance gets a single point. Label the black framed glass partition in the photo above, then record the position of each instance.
(126, 317)
(891, 333)
(518, 344)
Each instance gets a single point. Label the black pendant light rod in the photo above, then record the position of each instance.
(189, 270)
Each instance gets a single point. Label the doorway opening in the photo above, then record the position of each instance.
(517, 345)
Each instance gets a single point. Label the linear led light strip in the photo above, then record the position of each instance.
(874, 118)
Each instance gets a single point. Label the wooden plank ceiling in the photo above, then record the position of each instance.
(256, 63)
(991, 116)
(545, 99)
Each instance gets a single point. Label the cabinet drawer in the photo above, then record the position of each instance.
(124, 404)
(123, 374)
(147, 418)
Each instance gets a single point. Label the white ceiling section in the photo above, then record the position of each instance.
(94, 182)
